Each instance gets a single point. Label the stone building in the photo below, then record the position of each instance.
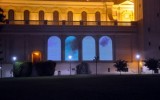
(69, 32)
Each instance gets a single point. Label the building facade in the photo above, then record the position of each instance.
(69, 32)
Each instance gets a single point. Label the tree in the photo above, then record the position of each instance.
(2, 16)
(82, 68)
(121, 66)
(152, 64)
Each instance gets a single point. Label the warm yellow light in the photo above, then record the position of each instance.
(141, 63)
(126, 16)
(36, 53)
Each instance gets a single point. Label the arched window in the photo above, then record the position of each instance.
(26, 15)
(84, 16)
(11, 15)
(105, 48)
(71, 48)
(70, 17)
(88, 48)
(54, 48)
(56, 17)
(41, 15)
(97, 16)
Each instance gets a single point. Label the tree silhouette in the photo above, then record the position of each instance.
(2, 16)
(152, 64)
(121, 66)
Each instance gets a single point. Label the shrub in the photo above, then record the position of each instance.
(152, 64)
(45, 68)
(22, 69)
(82, 68)
(121, 66)
(26, 69)
(17, 69)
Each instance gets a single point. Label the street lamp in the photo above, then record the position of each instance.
(96, 58)
(138, 58)
(14, 58)
(70, 58)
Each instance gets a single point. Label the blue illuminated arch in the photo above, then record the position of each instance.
(105, 48)
(88, 48)
(54, 48)
(71, 48)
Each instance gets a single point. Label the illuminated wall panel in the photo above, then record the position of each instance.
(54, 48)
(88, 48)
(71, 48)
(105, 48)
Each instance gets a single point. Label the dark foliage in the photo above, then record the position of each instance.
(82, 68)
(121, 65)
(17, 69)
(22, 69)
(45, 68)
(152, 64)
(2, 16)
(26, 69)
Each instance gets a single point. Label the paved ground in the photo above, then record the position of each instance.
(83, 87)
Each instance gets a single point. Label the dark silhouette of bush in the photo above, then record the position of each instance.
(152, 64)
(82, 68)
(17, 69)
(121, 66)
(22, 69)
(45, 68)
(2, 16)
(26, 69)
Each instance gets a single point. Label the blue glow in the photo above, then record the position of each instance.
(54, 48)
(88, 48)
(71, 48)
(105, 48)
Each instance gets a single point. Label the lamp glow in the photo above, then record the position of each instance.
(70, 57)
(14, 58)
(138, 56)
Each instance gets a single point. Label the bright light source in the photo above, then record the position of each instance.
(0, 68)
(14, 58)
(126, 16)
(138, 56)
(70, 57)
(36, 53)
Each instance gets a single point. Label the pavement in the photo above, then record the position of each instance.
(82, 87)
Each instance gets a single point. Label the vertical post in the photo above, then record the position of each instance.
(1, 68)
(96, 58)
(14, 58)
(138, 67)
(70, 57)
(70, 67)
(138, 58)
(96, 67)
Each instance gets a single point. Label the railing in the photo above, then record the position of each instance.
(71, 23)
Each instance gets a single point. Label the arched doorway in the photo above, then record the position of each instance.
(36, 56)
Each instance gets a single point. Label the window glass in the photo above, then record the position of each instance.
(54, 48)
(105, 48)
(88, 48)
(71, 48)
